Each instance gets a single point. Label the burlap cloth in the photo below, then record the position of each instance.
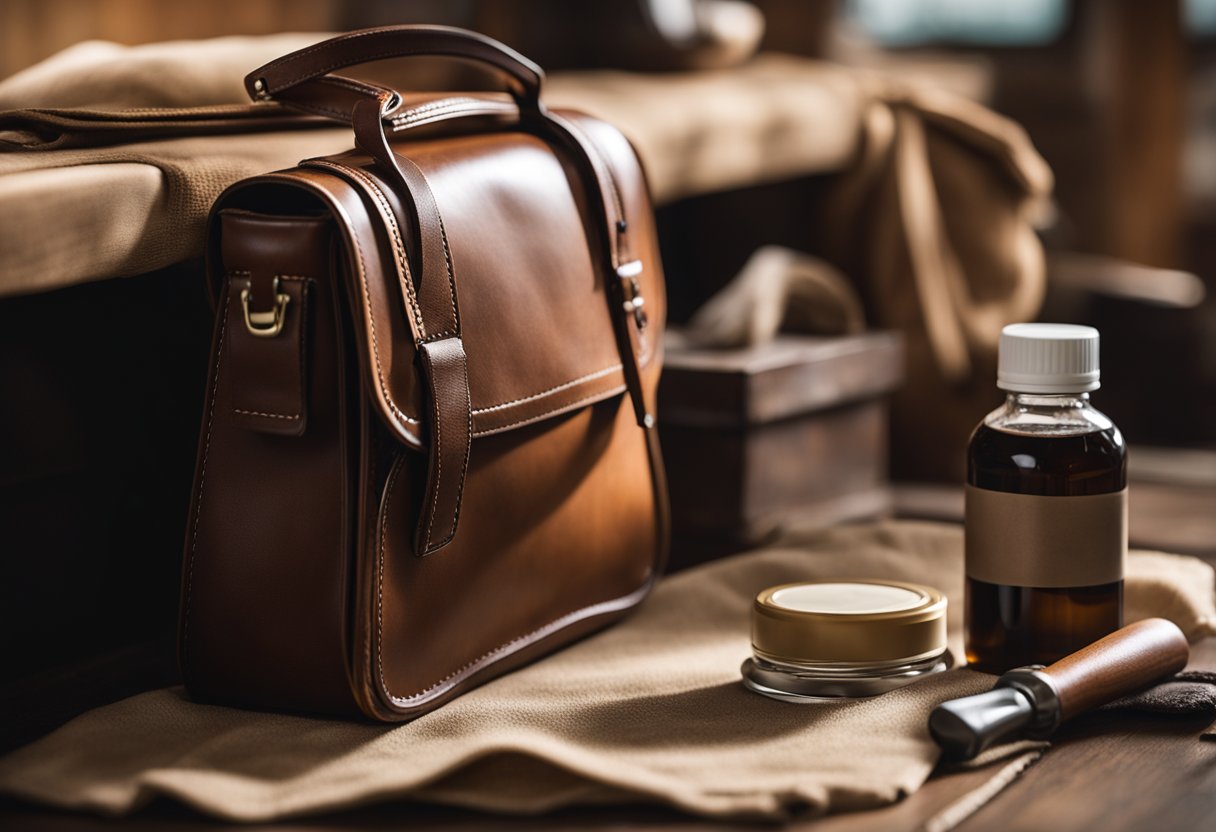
(650, 710)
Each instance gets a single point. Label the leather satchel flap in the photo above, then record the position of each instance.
(527, 267)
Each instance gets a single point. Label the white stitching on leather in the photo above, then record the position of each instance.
(263, 413)
(464, 465)
(303, 324)
(438, 104)
(555, 625)
(372, 328)
(351, 84)
(527, 420)
(417, 119)
(455, 103)
(405, 278)
(376, 350)
(551, 390)
(388, 497)
(468, 446)
(447, 256)
(386, 214)
(303, 281)
(371, 320)
(435, 446)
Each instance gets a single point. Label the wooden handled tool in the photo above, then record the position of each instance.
(1033, 701)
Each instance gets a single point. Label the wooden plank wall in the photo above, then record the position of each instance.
(31, 30)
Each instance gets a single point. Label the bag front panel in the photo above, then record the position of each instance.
(560, 525)
(524, 258)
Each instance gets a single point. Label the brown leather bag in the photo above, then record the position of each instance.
(428, 453)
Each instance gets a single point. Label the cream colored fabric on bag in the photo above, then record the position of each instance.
(650, 710)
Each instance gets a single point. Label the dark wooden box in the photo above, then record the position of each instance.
(787, 435)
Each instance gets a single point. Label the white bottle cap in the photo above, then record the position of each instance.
(1048, 358)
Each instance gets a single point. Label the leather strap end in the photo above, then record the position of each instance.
(446, 367)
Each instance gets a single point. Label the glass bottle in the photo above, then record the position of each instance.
(1046, 506)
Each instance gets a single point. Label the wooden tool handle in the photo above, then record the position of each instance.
(1123, 662)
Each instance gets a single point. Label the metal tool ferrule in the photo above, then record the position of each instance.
(1039, 688)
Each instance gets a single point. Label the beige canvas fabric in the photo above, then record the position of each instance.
(111, 76)
(74, 216)
(696, 132)
(931, 216)
(650, 710)
(937, 222)
(934, 223)
(777, 290)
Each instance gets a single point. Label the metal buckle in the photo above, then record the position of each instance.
(628, 273)
(265, 324)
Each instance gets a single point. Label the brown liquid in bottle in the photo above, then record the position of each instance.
(1010, 626)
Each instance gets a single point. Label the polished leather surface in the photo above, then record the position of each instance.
(268, 549)
(302, 78)
(447, 370)
(515, 289)
(269, 390)
(580, 532)
(472, 481)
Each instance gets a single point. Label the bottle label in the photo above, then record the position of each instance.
(1037, 541)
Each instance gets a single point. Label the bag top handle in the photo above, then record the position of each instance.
(401, 41)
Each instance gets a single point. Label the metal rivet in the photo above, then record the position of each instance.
(647, 421)
(621, 226)
(259, 85)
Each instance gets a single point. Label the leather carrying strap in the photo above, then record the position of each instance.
(619, 263)
(435, 324)
(299, 80)
(290, 78)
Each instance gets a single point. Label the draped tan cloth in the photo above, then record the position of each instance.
(147, 200)
(652, 710)
(101, 75)
(933, 221)
(931, 216)
(777, 290)
(936, 222)
(98, 213)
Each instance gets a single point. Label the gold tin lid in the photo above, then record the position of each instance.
(848, 622)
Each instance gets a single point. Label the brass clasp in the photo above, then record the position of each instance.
(265, 324)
